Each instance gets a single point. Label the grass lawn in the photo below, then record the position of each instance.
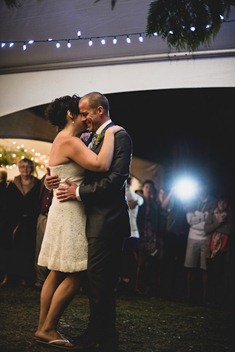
(144, 324)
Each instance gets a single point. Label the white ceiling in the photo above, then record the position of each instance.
(59, 19)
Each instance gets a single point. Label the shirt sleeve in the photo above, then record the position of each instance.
(78, 194)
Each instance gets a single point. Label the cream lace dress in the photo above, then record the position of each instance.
(64, 246)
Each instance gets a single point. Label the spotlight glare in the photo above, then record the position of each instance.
(185, 188)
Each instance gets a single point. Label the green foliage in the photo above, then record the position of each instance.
(172, 20)
(12, 157)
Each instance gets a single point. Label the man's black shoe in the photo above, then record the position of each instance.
(84, 341)
(90, 343)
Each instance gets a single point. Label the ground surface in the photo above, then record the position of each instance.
(144, 324)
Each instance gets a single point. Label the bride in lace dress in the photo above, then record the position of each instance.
(64, 246)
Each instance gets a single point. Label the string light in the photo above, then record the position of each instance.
(141, 39)
(69, 41)
(9, 156)
(90, 39)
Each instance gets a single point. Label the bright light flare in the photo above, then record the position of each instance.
(185, 188)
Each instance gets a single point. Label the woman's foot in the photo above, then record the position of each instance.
(49, 336)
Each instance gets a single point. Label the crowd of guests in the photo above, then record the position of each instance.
(22, 225)
(177, 250)
(185, 249)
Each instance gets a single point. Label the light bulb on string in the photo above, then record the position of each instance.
(141, 39)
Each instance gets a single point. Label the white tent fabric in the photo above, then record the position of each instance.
(42, 72)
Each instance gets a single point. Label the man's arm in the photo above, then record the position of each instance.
(113, 181)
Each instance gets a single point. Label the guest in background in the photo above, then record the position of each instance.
(129, 260)
(148, 221)
(198, 245)
(44, 205)
(22, 200)
(3, 188)
(175, 241)
(218, 226)
(3, 179)
(3, 239)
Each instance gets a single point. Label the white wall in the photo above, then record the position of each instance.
(19, 91)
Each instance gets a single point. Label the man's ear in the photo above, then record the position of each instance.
(100, 110)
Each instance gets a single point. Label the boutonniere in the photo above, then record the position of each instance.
(98, 138)
(85, 136)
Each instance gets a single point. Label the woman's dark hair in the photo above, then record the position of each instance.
(56, 111)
